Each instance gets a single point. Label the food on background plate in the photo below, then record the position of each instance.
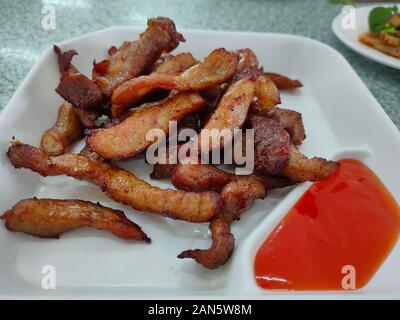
(384, 30)
(142, 86)
(50, 218)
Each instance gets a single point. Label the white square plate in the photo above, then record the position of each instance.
(342, 119)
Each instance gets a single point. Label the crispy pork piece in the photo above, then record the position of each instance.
(204, 177)
(129, 137)
(267, 95)
(169, 64)
(274, 182)
(199, 177)
(162, 171)
(247, 65)
(86, 152)
(275, 154)
(237, 192)
(239, 195)
(135, 58)
(75, 87)
(300, 168)
(67, 130)
(223, 243)
(212, 96)
(50, 218)
(230, 113)
(291, 121)
(191, 121)
(282, 82)
(100, 68)
(216, 68)
(119, 184)
(88, 117)
(271, 145)
(175, 64)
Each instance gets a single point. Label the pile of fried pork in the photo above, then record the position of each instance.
(139, 87)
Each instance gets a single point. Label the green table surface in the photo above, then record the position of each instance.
(22, 37)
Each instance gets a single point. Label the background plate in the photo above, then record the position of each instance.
(350, 36)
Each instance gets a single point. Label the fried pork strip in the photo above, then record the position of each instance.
(119, 184)
(49, 218)
(88, 117)
(271, 144)
(169, 64)
(75, 87)
(199, 177)
(237, 193)
(291, 121)
(247, 65)
(175, 64)
(221, 249)
(230, 113)
(129, 137)
(282, 82)
(300, 168)
(135, 58)
(190, 121)
(162, 171)
(67, 130)
(204, 177)
(216, 68)
(275, 154)
(267, 95)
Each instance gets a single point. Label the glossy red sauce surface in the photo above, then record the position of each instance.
(350, 219)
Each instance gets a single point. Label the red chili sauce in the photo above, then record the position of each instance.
(350, 219)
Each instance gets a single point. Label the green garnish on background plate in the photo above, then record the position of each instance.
(378, 17)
